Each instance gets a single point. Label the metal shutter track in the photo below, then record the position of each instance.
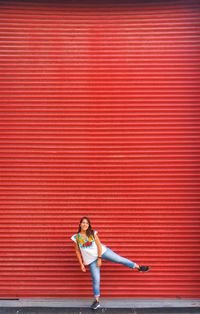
(99, 117)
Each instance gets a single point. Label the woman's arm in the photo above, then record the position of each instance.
(98, 243)
(78, 254)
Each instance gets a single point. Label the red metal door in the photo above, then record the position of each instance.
(99, 117)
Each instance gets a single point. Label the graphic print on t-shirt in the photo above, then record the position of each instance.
(85, 243)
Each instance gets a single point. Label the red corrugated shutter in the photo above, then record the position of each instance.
(99, 117)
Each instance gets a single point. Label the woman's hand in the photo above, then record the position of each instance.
(99, 263)
(83, 268)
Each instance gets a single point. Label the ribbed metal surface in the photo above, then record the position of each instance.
(99, 116)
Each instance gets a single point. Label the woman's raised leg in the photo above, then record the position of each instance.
(116, 258)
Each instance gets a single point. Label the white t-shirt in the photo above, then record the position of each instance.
(88, 248)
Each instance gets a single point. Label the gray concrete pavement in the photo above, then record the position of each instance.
(105, 302)
(46, 310)
(108, 305)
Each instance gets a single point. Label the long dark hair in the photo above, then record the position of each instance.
(89, 230)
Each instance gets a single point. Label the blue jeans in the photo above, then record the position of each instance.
(95, 270)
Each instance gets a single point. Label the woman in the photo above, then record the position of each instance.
(90, 251)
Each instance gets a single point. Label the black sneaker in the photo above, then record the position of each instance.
(95, 305)
(144, 268)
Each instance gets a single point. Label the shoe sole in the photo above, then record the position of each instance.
(94, 308)
(144, 271)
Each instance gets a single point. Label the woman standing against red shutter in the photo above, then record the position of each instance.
(90, 251)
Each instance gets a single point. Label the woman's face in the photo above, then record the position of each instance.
(84, 224)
